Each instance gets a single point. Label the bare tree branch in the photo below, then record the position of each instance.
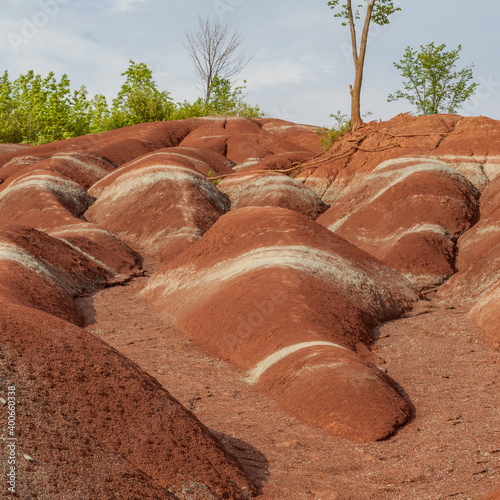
(214, 50)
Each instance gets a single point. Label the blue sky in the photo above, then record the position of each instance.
(301, 66)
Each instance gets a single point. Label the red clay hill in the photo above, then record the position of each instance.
(260, 249)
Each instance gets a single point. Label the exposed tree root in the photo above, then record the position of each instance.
(361, 136)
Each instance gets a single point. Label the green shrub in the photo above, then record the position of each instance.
(330, 135)
(36, 110)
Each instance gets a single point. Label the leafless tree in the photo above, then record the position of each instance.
(214, 50)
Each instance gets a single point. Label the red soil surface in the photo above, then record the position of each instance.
(240, 139)
(271, 189)
(280, 335)
(478, 281)
(295, 300)
(449, 449)
(44, 273)
(408, 212)
(91, 424)
(158, 206)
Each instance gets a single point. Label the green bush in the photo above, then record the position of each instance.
(330, 135)
(36, 110)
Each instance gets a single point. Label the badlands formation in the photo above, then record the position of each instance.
(214, 308)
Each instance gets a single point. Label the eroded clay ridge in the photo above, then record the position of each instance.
(273, 255)
(288, 301)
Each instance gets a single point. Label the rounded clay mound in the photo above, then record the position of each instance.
(45, 273)
(239, 139)
(408, 212)
(116, 430)
(42, 198)
(272, 190)
(158, 209)
(303, 135)
(264, 281)
(477, 282)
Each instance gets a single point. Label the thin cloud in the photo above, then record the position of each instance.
(282, 72)
(124, 5)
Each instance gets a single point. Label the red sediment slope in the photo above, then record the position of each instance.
(159, 204)
(435, 225)
(469, 145)
(84, 169)
(245, 272)
(83, 403)
(202, 161)
(18, 165)
(289, 303)
(241, 139)
(45, 273)
(272, 190)
(477, 282)
(101, 246)
(288, 163)
(117, 146)
(493, 496)
(122, 145)
(302, 135)
(12, 148)
(91, 424)
(42, 198)
(408, 212)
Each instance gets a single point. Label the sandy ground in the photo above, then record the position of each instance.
(450, 449)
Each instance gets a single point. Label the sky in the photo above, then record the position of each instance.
(301, 64)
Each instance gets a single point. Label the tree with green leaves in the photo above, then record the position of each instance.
(79, 116)
(7, 107)
(377, 11)
(36, 110)
(226, 101)
(139, 100)
(431, 80)
(99, 115)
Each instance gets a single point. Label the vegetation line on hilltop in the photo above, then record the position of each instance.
(36, 110)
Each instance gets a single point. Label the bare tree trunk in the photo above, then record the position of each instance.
(214, 50)
(356, 120)
(359, 62)
(208, 88)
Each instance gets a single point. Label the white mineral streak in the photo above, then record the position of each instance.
(370, 286)
(71, 192)
(85, 166)
(137, 181)
(395, 176)
(18, 255)
(254, 374)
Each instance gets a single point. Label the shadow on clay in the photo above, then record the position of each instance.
(254, 463)
(85, 307)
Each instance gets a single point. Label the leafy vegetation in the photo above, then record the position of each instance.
(329, 135)
(211, 175)
(431, 82)
(35, 110)
(139, 100)
(224, 100)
